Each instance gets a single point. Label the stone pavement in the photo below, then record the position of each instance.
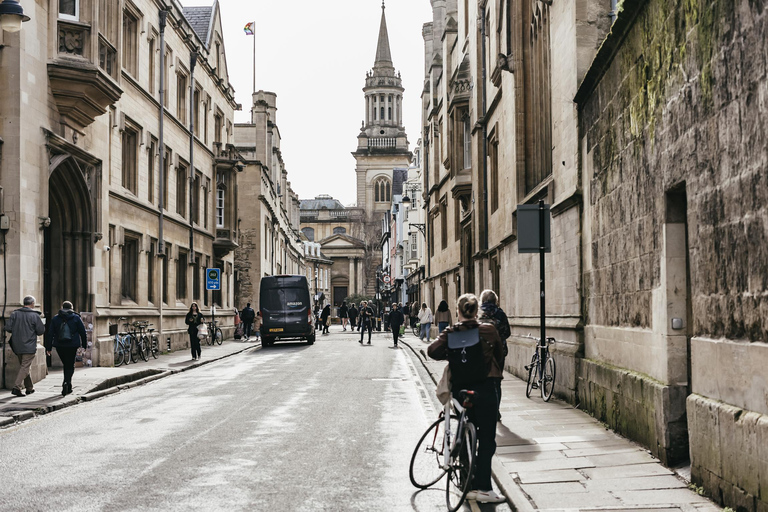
(551, 456)
(92, 383)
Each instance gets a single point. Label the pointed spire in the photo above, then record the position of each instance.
(383, 54)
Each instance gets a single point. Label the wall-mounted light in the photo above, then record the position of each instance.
(12, 16)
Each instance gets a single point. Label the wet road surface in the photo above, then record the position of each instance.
(289, 427)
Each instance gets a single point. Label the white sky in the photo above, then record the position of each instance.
(314, 55)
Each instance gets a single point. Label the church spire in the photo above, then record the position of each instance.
(383, 54)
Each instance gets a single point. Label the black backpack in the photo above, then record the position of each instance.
(65, 333)
(465, 358)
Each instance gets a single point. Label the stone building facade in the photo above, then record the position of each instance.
(643, 127)
(84, 168)
(268, 214)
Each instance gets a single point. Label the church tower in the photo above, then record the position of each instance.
(382, 144)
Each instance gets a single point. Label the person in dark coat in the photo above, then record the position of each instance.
(396, 319)
(366, 321)
(324, 317)
(492, 314)
(352, 316)
(193, 320)
(66, 334)
(344, 314)
(25, 325)
(247, 316)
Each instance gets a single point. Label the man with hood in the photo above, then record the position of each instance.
(66, 334)
(25, 326)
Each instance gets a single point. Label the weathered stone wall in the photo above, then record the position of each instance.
(679, 96)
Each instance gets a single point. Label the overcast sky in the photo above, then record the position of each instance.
(314, 55)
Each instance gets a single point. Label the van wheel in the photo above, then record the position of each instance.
(310, 340)
(266, 342)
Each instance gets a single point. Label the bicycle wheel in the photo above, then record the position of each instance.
(219, 336)
(119, 353)
(144, 348)
(427, 460)
(415, 329)
(533, 373)
(461, 470)
(133, 349)
(548, 382)
(154, 347)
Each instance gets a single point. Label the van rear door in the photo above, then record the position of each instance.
(297, 308)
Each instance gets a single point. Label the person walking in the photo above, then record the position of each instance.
(485, 404)
(425, 319)
(414, 313)
(443, 316)
(344, 314)
(324, 317)
(492, 314)
(25, 325)
(352, 316)
(247, 315)
(193, 320)
(396, 319)
(66, 334)
(366, 321)
(257, 321)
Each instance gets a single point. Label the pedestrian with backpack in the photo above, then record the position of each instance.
(474, 352)
(492, 314)
(66, 334)
(247, 315)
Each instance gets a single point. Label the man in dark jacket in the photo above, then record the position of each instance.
(25, 326)
(67, 334)
(324, 317)
(352, 316)
(366, 321)
(396, 319)
(247, 316)
(494, 315)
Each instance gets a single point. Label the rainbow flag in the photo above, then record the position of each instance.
(249, 28)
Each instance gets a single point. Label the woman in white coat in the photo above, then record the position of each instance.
(425, 319)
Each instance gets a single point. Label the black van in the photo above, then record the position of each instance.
(286, 309)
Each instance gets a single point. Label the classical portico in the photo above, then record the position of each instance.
(347, 274)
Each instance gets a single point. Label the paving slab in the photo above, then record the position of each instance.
(541, 477)
(634, 470)
(659, 497)
(645, 483)
(576, 500)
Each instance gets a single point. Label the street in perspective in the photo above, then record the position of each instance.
(384, 255)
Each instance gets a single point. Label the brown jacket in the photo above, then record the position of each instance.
(491, 343)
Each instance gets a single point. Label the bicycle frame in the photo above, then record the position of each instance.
(449, 441)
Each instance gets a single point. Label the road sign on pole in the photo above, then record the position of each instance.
(212, 279)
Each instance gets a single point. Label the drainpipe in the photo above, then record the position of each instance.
(161, 241)
(192, 63)
(485, 135)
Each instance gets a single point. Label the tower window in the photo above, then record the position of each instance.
(382, 113)
(382, 191)
(389, 113)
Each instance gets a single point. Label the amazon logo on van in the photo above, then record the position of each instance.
(294, 304)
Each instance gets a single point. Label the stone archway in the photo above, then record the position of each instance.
(68, 247)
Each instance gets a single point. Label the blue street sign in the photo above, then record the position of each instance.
(212, 279)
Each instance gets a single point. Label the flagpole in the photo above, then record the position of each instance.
(254, 57)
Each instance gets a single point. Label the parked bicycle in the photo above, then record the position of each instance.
(541, 371)
(416, 328)
(122, 345)
(214, 334)
(448, 448)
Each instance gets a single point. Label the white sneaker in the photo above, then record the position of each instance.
(488, 497)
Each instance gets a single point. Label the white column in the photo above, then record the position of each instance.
(360, 279)
(351, 276)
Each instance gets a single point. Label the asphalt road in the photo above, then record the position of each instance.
(287, 428)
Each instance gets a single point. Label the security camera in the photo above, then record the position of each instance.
(106, 248)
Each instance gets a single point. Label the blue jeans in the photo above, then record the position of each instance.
(441, 326)
(425, 331)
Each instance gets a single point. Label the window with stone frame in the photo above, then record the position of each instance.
(495, 270)
(131, 40)
(167, 76)
(130, 154)
(166, 177)
(152, 63)
(309, 233)
(456, 220)
(196, 282)
(109, 20)
(130, 267)
(493, 164)
(206, 199)
(195, 206)
(382, 191)
(466, 140)
(181, 276)
(414, 246)
(181, 189)
(444, 223)
(221, 194)
(166, 265)
(151, 270)
(339, 231)
(69, 10)
(196, 111)
(181, 96)
(151, 169)
(531, 43)
(218, 123)
(205, 293)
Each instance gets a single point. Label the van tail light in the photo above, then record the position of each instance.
(309, 317)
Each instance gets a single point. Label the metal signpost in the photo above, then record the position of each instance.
(213, 282)
(533, 236)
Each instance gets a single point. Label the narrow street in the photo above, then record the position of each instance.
(290, 427)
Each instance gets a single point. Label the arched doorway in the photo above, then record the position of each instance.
(68, 247)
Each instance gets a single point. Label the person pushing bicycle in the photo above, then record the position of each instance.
(479, 376)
